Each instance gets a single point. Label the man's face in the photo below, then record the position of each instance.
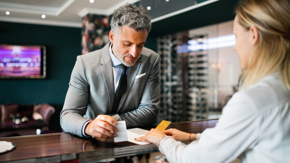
(128, 44)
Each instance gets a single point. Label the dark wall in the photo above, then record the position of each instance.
(151, 43)
(213, 13)
(63, 45)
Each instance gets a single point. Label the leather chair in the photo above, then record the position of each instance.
(32, 112)
(46, 111)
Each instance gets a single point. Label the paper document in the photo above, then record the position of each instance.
(136, 133)
(129, 135)
(122, 132)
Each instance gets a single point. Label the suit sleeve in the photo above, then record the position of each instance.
(76, 101)
(147, 111)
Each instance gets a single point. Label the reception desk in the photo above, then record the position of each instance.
(63, 147)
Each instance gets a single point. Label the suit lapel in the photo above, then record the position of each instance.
(133, 71)
(107, 72)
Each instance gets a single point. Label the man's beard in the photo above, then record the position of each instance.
(132, 63)
(122, 58)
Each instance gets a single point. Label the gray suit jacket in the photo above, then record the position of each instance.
(91, 91)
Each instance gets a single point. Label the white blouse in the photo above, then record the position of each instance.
(254, 126)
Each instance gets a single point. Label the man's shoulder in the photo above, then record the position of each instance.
(92, 55)
(148, 52)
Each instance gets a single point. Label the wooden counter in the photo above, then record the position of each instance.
(61, 146)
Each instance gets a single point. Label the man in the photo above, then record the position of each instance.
(118, 82)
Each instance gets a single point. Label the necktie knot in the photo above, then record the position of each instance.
(123, 68)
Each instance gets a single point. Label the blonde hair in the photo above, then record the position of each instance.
(272, 52)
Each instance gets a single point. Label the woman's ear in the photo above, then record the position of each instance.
(254, 35)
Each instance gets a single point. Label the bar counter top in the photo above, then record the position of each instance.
(63, 147)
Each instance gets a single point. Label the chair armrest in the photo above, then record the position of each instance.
(46, 111)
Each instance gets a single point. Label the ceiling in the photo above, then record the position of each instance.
(69, 13)
(58, 12)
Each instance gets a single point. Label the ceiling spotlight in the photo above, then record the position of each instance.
(92, 1)
(43, 16)
(167, 0)
(148, 8)
(7, 13)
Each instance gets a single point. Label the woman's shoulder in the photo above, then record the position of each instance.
(268, 92)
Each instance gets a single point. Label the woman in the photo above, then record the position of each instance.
(255, 124)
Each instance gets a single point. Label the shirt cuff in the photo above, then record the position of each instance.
(198, 136)
(117, 117)
(167, 140)
(84, 127)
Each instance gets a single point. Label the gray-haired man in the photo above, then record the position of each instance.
(118, 82)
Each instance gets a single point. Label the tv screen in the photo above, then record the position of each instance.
(22, 61)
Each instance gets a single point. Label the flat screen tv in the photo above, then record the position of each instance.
(22, 61)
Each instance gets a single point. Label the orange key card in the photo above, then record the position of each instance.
(163, 125)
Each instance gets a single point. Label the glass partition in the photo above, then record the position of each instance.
(199, 72)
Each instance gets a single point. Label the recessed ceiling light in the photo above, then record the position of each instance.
(43, 16)
(92, 1)
(148, 8)
(166, 0)
(7, 13)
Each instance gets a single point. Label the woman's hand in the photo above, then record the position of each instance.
(180, 135)
(154, 136)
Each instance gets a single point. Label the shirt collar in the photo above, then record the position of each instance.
(115, 61)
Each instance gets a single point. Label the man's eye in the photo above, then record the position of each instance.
(127, 44)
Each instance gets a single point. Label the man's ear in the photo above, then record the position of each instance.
(111, 36)
(254, 35)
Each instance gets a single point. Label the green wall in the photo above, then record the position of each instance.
(63, 45)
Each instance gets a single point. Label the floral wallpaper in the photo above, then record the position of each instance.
(95, 32)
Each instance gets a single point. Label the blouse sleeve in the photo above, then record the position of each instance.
(236, 131)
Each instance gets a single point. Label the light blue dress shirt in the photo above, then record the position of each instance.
(116, 70)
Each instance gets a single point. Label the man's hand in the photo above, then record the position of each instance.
(102, 127)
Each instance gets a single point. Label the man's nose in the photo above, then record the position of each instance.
(133, 51)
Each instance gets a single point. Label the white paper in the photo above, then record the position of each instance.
(122, 132)
(136, 133)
